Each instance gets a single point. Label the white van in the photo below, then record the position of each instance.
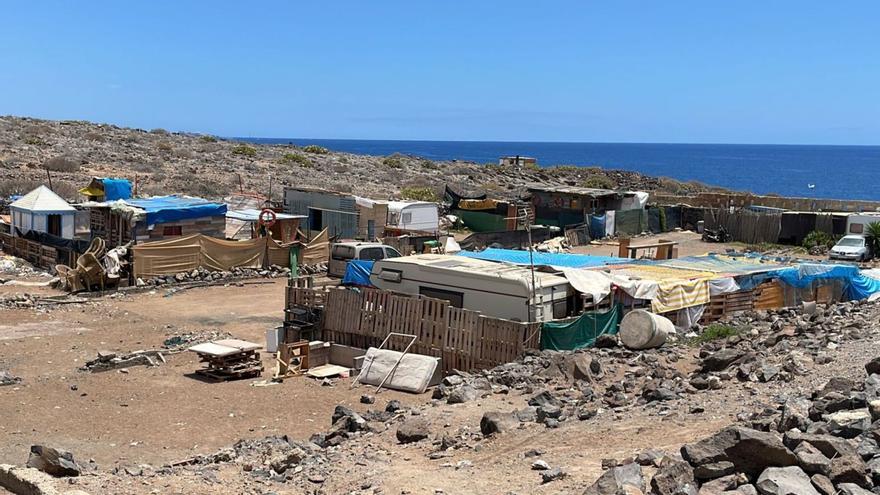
(499, 290)
(343, 252)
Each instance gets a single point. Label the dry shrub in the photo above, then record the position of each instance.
(165, 147)
(183, 153)
(63, 163)
(17, 186)
(94, 136)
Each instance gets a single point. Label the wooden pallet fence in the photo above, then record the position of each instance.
(769, 295)
(463, 339)
(724, 304)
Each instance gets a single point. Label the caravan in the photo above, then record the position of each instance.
(496, 289)
(413, 216)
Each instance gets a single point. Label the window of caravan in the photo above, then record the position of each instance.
(560, 309)
(856, 228)
(342, 253)
(456, 299)
(371, 253)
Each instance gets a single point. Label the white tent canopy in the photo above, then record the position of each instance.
(42, 210)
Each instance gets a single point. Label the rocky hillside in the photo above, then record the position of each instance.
(204, 165)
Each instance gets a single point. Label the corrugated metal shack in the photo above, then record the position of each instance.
(343, 215)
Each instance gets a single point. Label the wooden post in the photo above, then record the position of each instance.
(623, 247)
(49, 175)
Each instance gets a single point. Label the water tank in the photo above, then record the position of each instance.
(641, 329)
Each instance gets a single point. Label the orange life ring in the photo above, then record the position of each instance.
(267, 217)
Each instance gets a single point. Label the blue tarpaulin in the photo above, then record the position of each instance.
(562, 260)
(856, 285)
(357, 272)
(597, 226)
(115, 189)
(166, 209)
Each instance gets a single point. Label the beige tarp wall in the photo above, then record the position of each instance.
(318, 250)
(188, 253)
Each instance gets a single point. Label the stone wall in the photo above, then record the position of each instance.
(723, 200)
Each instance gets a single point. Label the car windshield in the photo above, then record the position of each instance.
(851, 242)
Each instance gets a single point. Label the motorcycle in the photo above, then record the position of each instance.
(718, 235)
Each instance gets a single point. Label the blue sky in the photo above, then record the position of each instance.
(621, 71)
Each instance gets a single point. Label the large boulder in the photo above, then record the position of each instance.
(795, 415)
(829, 445)
(720, 360)
(462, 394)
(873, 366)
(53, 461)
(674, 477)
(619, 480)
(414, 429)
(749, 450)
(790, 480)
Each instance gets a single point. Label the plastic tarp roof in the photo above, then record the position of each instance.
(357, 272)
(856, 285)
(116, 189)
(166, 209)
(560, 260)
(732, 265)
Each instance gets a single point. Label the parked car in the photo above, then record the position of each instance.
(851, 248)
(343, 252)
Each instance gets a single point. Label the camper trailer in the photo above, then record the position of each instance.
(413, 216)
(495, 289)
(857, 223)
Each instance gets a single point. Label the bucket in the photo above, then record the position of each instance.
(641, 329)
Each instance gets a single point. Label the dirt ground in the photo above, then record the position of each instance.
(164, 414)
(689, 244)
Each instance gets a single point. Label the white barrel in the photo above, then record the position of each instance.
(641, 329)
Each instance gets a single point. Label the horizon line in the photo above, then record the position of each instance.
(535, 142)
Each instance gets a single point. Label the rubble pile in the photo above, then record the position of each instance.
(575, 385)
(22, 300)
(780, 345)
(824, 444)
(11, 265)
(202, 274)
(7, 378)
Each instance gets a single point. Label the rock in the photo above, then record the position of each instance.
(830, 446)
(52, 461)
(823, 484)
(414, 429)
(674, 477)
(453, 380)
(497, 422)
(586, 413)
(795, 415)
(544, 398)
(540, 465)
(552, 475)
(714, 470)
(650, 457)
(393, 406)
(462, 394)
(749, 450)
(605, 341)
(848, 424)
(721, 485)
(7, 378)
(549, 411)
(874, 409)
(720, 360)
(526, 414)
(852, 489)
(789, 480)
(849, 469)
(872, 367)
(368, 399)
(621, 479)
(348, 419)
(811, 459)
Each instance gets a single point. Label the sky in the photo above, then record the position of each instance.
(688, 71)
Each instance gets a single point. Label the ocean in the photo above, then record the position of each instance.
(839, 172)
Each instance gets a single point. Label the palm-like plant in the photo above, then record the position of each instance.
(872, 234)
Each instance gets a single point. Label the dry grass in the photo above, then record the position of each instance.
(63, 163)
